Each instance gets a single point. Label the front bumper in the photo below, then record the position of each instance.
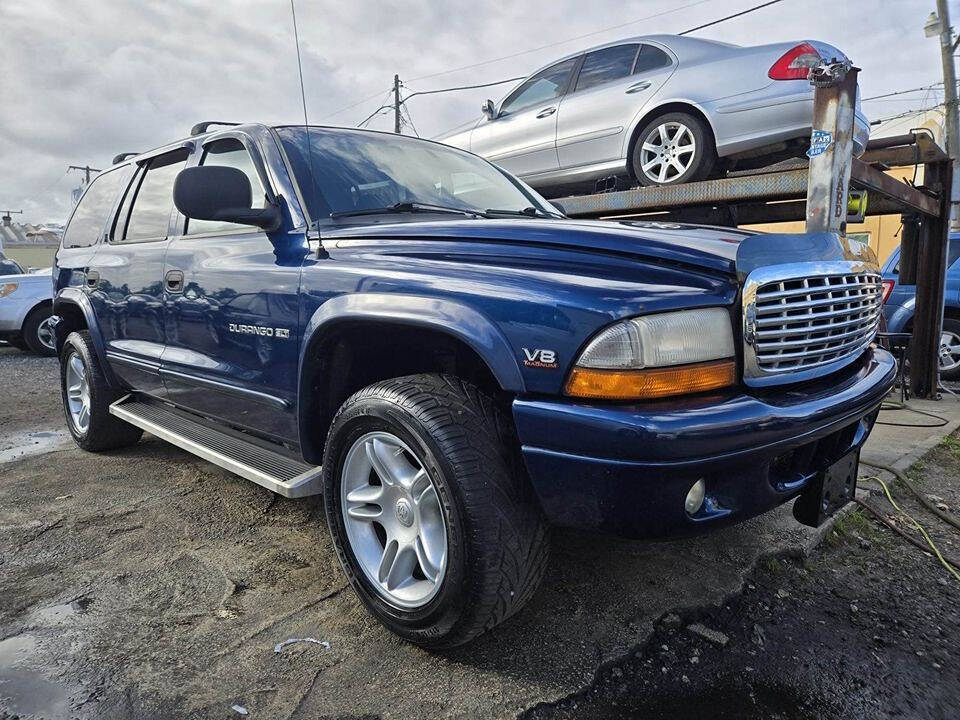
(626, 469)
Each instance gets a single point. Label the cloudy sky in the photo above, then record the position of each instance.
(83, 80)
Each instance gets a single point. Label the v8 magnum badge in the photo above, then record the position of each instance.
(539, 358)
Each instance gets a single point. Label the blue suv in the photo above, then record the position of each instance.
(413, 333)
(900, 300)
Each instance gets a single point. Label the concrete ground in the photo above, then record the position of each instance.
(149, 583)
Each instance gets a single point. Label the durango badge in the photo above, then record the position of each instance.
(282, 333)
(538, 358)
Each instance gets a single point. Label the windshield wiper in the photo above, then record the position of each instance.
(405, 207)
(526, 212)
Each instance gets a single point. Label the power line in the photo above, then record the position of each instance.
(905, 113)
(561, 42)
(902, 92)
(730, 17)
(463, 87)
(350, 107)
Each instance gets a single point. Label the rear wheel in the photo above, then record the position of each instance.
(432, 517)
(37, 332)
(672, 149)
(87, 398)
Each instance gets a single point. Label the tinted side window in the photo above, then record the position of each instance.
(651, 58)
(153, 202)
(229, 152)
(542, 87)
(91, 214)
(604, 65)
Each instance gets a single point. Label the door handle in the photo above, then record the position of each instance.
(546, 112)
(174, 281)
(93, 278)
(637, 87)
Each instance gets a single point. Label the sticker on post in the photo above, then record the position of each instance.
(820, 142)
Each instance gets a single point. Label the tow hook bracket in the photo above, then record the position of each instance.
(829, 491)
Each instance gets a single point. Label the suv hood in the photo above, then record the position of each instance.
(707, 248)
(726, 251)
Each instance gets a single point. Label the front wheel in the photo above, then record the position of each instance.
(672, 149)
(432, 517)
(950, 349)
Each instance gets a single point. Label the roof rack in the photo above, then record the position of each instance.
(122, 156)
(201, 127)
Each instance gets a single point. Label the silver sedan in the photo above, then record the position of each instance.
(658, 110)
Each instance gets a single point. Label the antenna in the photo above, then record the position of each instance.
(303, 99)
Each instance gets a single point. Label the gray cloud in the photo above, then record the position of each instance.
(84, 80)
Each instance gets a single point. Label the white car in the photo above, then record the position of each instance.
(26, 301)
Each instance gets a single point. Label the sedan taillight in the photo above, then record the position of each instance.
(795, 63)
(887, 289)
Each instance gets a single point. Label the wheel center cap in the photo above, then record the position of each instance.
(404, 512)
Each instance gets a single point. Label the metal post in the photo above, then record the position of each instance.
(396, 104)
(831, 146)
(947, 49)
(931, 278)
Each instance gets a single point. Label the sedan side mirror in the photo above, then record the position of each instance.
(489, 109)
(213, 192)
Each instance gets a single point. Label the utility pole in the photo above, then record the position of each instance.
(947, 49)
(396, 104)
(85, 169)
(5, 216)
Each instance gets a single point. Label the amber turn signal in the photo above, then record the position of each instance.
(652, 382)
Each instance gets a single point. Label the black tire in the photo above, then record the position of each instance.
(704, 157)
(30, 332)
(104, 431)
(952, 327)
(19, 344)
(497, 537)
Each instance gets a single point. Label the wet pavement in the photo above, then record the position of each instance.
(148, 583)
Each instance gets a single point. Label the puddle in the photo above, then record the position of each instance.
(22, 689)
(56, 614)
(33, 442)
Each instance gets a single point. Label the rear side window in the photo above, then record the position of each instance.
(91, 214)
(229, 152)
(651, 58)
(153, 199)
(600, 66)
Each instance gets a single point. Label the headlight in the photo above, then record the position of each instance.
(656, 356)
(7, 289)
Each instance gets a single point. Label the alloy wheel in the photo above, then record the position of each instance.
(394, 521)
(667, 152)
(949, 351)
(45, 334)
(78, 393)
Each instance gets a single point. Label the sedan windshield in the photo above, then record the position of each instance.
(353, 171)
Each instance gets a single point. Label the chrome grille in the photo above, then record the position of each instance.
(793, 324)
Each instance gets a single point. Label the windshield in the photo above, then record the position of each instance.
(353, 170)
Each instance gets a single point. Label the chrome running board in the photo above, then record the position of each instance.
(279, 473)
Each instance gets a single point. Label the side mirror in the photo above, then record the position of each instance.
(489, 109)
(212, 192)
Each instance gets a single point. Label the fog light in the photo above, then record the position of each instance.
(694, 500)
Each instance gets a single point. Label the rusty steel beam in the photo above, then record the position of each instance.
(787, 185)
(910, 198)
(831, 146)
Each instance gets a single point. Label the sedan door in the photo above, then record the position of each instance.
(613, 84)
(522, 138)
